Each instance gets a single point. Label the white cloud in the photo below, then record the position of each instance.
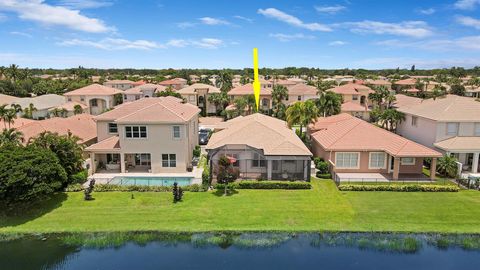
(292, 20)
(85, 4)
(208, 43)
(185, 25)
(41, 12)
(111, 44)
(465, 43)
(330, 9)
(213, 21)
(178, 43)
(21, 34)
(466, 4)
(416, 29)
(469, 21)
(337, 43)
(287, 37)
(243, 18)
(427, 11)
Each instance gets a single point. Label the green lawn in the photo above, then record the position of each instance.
(319, 209)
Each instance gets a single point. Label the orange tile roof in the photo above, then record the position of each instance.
(70, 106)
(302, 89)
(247, 89)
(148, 86)
(404, 100)
(348, 133)
(109, 144)
(351, 106)
(192, 89)
(94, 90)
(173, 81)
(151, 110)
(406, 82)
(351, 89)
(80, 125)
(18, 122)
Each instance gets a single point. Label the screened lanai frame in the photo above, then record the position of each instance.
(253, 164)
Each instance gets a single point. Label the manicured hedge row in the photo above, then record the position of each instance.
(247, 184)
(323, 175)
(108, 187)
(401, 188)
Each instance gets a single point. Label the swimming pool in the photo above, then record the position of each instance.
(150, 181)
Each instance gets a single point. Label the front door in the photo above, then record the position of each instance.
(391, 165)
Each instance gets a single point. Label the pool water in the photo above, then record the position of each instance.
(150, 181)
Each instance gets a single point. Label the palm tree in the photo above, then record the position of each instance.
(302, 114)
(279, 93)
(13, 72)
(16, 107)
(329, 103)
(3, 112)
(11, 136)
(77, 109)
(10, 116)
(219, 99)
(240, 105)
(390, 99)
(380, 93)
(390, 118)
(447, 165)
(28, 112)
(224, 81)
(437, 92)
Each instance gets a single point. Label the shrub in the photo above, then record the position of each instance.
(197, 151)
(249, 184)
(317, 160)
(206, 175)
(74, 188)
(323, 175)
(400, 188)
(79, 178)
(322, 167)
(139, 188)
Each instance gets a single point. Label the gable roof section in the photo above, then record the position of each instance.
(94, 90)
(148, 86)
(450, 108)
(351, 106)
(192, 89)
(262, 132)
(348, 133)
(247, 89)
(302, 89)
(109, 144)
(351, 89)
(151, 110)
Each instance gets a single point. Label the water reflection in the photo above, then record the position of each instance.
(153, 250)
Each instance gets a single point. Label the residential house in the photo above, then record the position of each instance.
(259, 147)
(357, 150)
(472, 91)
(355, 99)
(175, 83)
(247, 89)
(198, 94)
(300, 92)
(451, 124)
(142, 91)
(120, 84)
(355, 109)
(68, 109)
(385, 83)
(97, 97)
(43, 103)
(154, 135)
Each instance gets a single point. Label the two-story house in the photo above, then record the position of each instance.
(355, 99)
(142, 91)
(154, 135)
(451, 124)
(96, 97)
(198, 95)
(120, 84)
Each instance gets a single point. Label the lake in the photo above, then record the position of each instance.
(240, 251)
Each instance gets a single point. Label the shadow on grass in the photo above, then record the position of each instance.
(221, 193)
(24, 213)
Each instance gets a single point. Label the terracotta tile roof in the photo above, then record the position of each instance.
(460, 144)
(173, 81)
(40, 102)
(302, 89)
(262, 132)
(351, 106)
(119, 82)
(109, 144)
(412, 90)
(450, 108)
(81, 125)
(247, 89)
(351, 89)
(404, 100)
(70, 106)
(151, 110)
(6, 99)
(378, 82)
(94, 90)
(348, 133)
(285, 82)
(18, 122)
(406, 82)
(192, 89)
(148, 86)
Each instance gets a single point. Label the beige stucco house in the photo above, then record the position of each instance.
(43, 104)
(142, 91)
(198, 94)
(260, 147)
(300, 92)
(120, 84)
(451, 124)
(175, 83)
(358, 150)
(96, 97)
(152, 135)
(247, 89)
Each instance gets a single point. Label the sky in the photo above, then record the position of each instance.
(369, 34)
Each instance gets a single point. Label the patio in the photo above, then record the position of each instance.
(380, 177)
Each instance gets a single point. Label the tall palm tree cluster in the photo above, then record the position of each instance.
(383, 113)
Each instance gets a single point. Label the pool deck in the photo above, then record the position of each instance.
(104, 178)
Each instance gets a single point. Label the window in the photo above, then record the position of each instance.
(94, 103)
(452, 128)
(112, 128)
(354, 97)
(82, 98)
(346, 160)
(414, 121)
(69, 99)
(477, 129)
(299, 98)
(143, 159)
(377, 160)
(135, 132)
(176, 132)
(286, 98)
(124, 96)
(169, 160)
(113, 158)
(264, 102)
(407, 161)
(258, 161)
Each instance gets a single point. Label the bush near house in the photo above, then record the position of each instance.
(248, 184)
(323, 175)
(121, 188)
(400, 188)
(197, 151)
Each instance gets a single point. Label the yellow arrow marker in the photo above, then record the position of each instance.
(256, 82)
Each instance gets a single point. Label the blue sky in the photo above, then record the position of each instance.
(221, 34)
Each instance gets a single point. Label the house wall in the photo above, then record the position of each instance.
(294, 98)
(109, 102)
(425, 132)
(119, 86)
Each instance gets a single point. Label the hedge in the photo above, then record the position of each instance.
(400, 188)
(248, 184)
(323, 175)
(109, 187)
